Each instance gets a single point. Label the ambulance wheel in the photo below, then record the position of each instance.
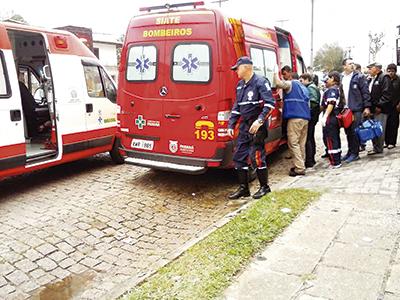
(252, 174)
(116, 156)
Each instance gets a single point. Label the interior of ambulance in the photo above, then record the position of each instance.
(36, 90)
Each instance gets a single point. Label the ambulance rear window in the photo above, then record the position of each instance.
(4, 84)
(300, 65)
(264, 62)
(142, 63)
(284, 50)
(191, 63)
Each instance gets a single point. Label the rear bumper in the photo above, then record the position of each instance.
(187, 165)
(159, 165)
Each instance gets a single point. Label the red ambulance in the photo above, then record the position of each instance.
(57, 102)
(176, 88)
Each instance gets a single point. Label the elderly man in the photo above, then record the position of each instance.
(381, 90)
(253, 103)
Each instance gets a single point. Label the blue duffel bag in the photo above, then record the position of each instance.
(369, 130)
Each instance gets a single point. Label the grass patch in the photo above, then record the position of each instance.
(206, 269)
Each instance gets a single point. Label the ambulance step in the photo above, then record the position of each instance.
(165, 166)
(39, 155)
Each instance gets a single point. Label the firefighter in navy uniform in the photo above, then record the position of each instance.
(253, 103)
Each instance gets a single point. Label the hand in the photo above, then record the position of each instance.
(231, 132)
(255, 126)
(378, 111)
(323, 121)
(366, 112)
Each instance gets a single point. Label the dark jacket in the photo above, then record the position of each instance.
(359, 97)
(253, 100)
(396, 91)
(381, 93)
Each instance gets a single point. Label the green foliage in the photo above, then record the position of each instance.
(329, 58)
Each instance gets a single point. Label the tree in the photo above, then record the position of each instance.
(119, 48)
(329, 58)
(375, 44)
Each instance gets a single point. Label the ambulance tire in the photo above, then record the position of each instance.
(116, 156)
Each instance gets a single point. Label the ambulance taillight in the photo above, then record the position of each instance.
(61, 42)
(222, 127)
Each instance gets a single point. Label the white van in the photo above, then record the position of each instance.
(57, 102)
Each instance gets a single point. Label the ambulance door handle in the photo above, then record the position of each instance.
(89, 107)
(15, 115)
(168, 116)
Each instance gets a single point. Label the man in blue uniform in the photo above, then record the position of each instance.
(253, 103)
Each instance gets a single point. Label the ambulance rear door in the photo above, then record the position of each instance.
(141, 84)
(190, 105)
(263, 48)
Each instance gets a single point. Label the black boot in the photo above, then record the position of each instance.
(243, 190)
(262, 175)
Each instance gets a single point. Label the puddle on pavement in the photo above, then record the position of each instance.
(65, 289)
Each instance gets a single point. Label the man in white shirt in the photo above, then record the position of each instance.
(357, 98)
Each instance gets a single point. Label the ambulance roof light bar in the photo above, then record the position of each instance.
(170, 6)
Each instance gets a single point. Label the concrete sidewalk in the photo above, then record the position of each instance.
(344, 246)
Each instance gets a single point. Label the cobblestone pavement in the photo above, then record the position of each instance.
(344, 246)
(87, 228)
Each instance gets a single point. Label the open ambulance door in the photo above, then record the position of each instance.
(12, 140)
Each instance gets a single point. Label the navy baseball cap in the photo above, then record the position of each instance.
(244, 60)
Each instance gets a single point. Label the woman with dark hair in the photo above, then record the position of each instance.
(332, 103)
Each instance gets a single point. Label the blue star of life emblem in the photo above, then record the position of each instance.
(190, 63)
(142, 64)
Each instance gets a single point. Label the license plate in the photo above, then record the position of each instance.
(142, 144)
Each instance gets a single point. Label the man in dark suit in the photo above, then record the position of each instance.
(381, 90)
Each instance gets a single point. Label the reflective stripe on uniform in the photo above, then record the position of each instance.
(250, 102)
(294, 100)
(269, 105)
